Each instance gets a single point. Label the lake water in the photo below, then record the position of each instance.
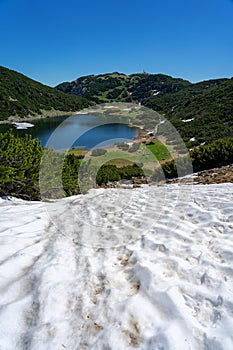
(78, 131)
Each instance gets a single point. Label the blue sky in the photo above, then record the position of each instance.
(55, 41)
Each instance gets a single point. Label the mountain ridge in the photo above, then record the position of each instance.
(121, 87)
(21, 96)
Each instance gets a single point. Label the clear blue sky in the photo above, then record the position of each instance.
(55, 41)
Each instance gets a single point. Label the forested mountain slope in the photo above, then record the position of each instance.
(121, 87)
(203, 111)
(21, 96)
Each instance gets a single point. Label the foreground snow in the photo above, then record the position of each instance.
(81, 273)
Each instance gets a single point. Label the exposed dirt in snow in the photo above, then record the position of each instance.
(216, 176)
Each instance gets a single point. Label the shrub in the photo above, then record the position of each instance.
(98, 152)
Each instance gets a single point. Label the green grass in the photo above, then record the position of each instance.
(78, 152)
(159, 150)
(148, 155)
(119, 163)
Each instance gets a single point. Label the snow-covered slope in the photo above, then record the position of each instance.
(147, 268)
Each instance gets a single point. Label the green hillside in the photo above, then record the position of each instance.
(21, 96)
(121, 87)
(166, 102)
(203, 110)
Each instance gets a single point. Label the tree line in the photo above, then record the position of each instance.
(29, 171)
(22, 168)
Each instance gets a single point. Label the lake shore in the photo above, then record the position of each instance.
(57, 113)
(15, 119)
(142, 134)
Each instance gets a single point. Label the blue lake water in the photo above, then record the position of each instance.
(78, 131)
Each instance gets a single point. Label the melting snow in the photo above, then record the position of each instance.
(22, 125)
(147, 268)
(187, 120)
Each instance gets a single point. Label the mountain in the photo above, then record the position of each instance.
(166, 102)
(120, 87)
(21, 96)
(201, 112)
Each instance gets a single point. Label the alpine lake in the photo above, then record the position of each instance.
(80, 131)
